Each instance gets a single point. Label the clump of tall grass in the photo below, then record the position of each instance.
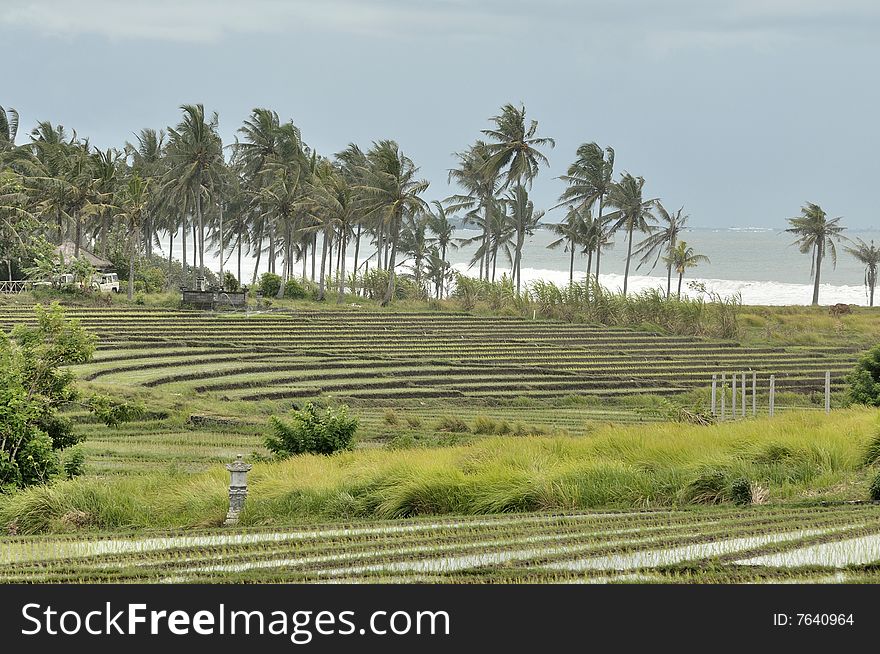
(795, 456)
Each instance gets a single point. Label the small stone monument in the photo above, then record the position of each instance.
(237, 488)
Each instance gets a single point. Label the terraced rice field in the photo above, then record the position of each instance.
(759, 544)
(425, 365)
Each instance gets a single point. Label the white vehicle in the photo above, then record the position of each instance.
(105, 282)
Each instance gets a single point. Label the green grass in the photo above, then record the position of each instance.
(795, 457)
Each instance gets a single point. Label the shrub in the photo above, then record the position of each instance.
(269, 284)
(389, 416)
(230, 283)
(484, 425)
(875, 488)
(74, 461)
(741, 491)
(864, 381)
(453, 425)
(312, 431)
(708, 488)
(295, 290)
(414, 422)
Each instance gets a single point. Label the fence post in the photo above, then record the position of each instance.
(772, 394)
(733, 396)
(714, 389)
(754, 393)
(827, 391)
(742, 410)
(723, 393)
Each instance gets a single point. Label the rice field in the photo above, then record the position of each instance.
(720, 545)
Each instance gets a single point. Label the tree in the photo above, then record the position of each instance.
(36, 384)
(570, 232)
(589, 181)
(8, 129)
(816, 235)
(514, 148)
(312, 431)
(443, 229)
(391, 190)
(869, 255)
(195, 155)
(634, 213)
(133, 202)
(683, 258)
(524, 220)
(662, 241)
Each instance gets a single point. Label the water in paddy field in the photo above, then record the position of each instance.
(761, 264)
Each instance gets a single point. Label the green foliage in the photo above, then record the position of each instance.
(295, 289)
(874, 489)
(864, 381)
(230, 283)
(113, 412)
(312, 431)
(741, 491)
(452, 424)
(269, 284)
(389, 416)
(36, 385)
(73, 461)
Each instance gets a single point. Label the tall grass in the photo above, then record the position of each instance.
(800, 455)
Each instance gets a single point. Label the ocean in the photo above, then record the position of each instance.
(760, 264)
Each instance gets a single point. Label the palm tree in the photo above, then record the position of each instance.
(195, 155)
(443, 229)
(589, 181)
(148, 159)
(869, 255)
(663, 237)
(682, 257)
(524, 220)
(480, 185)
(816, 234)
(391, 191)
(634, 213)
(133, 202)
(8, 128)
(514, 152)
(570, 232)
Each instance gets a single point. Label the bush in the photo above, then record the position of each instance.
(864, 381)
(269, 284)
(390, 417)
(295, 290)
(875, 488)
(453, 425)
(74, 462)
(484, 425)
(741, 491)
(230, 283)
(312, 431)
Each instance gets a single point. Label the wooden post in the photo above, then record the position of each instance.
(827, 391)
(772, 394)
(714, 389)
(742, 410)
(733, 395)
(754, 393)
(723, 393)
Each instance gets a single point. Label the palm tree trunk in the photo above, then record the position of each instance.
(571, 262)
(195, 239)
(220, 209)
(341, 259)
(628, 255)
(669, 270)
(601, 235)
(323, 266)
(680, 275)
(201, 240)
(389, 292)
(314, 248)
(257, 263)
(818, 272)
(517, 260)
(170, 250)
(357, 249)
(240, 239)
(77, 234)
(183, 246)
(589, 265)
(131, 253)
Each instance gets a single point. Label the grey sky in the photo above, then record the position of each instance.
(741, 111)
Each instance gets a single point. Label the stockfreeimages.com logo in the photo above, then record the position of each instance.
(300, 626)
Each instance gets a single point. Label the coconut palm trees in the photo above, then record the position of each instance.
(869, 256)
(816, 235)
(8, 129)
(570, 232)
(480, 184)
(524, 220)
(134, 199)
(663, 238)
(589, 181)
(633, 212)
(195, 155)
(442, 227)
(683, 257)
(513, 149)
(391, 190)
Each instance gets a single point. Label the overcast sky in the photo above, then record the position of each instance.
(739, 110)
